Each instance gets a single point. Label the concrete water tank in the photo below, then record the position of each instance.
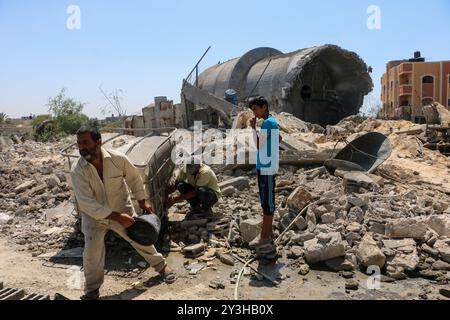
(320, 85)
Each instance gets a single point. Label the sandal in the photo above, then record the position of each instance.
(169, 277)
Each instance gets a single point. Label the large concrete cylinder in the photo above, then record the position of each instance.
(320, 85)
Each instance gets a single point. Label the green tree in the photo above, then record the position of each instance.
(68, 113)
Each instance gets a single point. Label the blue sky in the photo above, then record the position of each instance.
(146, 48)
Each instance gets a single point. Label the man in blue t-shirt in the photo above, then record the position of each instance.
(267, 163)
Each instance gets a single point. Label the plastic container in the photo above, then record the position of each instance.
(145, 230)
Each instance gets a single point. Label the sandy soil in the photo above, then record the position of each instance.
(18, 269)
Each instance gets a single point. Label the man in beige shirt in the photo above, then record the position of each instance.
(99, 178)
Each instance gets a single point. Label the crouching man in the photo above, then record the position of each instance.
(99, 178)
(198, 185)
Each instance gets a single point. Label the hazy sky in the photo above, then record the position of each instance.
(146, 48)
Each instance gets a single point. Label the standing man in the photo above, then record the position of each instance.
(99, 178)
(198, 185)
(267, 162)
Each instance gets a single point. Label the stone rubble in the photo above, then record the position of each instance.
(396, 218)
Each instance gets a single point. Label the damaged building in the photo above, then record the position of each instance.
(320, 85)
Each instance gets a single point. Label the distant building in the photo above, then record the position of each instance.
(162, 113)
(410, 84)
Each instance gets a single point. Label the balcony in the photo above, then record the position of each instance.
(405, 68)
(405, 90)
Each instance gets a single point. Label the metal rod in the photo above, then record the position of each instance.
(193, 69)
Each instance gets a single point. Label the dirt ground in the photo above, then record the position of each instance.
(19, 269)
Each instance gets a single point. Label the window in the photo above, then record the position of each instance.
(448, 102)
(428, 79)
(448, 79)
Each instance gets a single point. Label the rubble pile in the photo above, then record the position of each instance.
(396, 219)
(36, 211)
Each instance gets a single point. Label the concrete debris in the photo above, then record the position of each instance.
(396, 218)
(406, 228)
(194, 251)
(299, 199)
(304, 269)
(24, 186)
(250, 229)
(217, 284)
(324, 247)
(351, 284)
(369, 254)
(240, 183)
(195, 268)
(358, 182)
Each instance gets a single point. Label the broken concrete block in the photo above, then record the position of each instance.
(240, 183)
(406, 228)
(406, 261)
(250, 229)
(324, 247)
(228, 191)
(441, 265)
(46, 170)
(52, 181)
(328, 218)
(353, 180)
(302, 237)
(295, 252)
(356, 201)
(440, 224)
(394, 244)
(194, 251)
(60, 212)
(298, 199)
(397, 273)
(225, 258)
(356, 214)
(369, 254)
(311, 220)
(427, 249)
(320, 211)
(340, 264)
(24, 186)
(354, 227)
(376, 227)
(444, 250)
(287, 219)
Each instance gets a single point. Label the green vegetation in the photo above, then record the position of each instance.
(68, 117)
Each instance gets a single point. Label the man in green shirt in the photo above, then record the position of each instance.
(198, 185)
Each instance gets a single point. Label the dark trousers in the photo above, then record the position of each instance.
(205, 198)
(266, 186)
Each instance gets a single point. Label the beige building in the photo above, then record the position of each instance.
(408, 85)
